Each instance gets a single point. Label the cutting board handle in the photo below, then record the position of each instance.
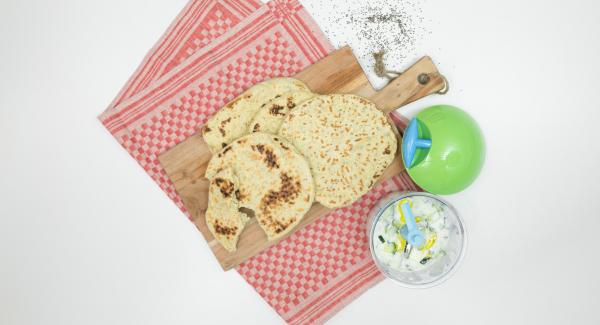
(418, 81)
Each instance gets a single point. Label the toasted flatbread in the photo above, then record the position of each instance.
(232, 121)
(274, 180)
(347, 141)
(223, 218)
(270, 116)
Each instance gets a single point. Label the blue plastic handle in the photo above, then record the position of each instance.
(411, 142)
(410, 232)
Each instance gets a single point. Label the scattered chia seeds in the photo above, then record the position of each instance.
(375, 28)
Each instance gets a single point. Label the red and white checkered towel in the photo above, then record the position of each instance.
(213, 51)
(198, 24)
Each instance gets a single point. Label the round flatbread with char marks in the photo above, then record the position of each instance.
(223, 218)
(347, 141)
(232, 121)
(274, 180)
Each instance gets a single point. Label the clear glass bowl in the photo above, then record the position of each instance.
(437, 269)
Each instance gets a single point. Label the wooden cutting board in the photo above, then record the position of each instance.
(339, 72)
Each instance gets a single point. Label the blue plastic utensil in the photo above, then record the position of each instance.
(412, 142)
(410, 232)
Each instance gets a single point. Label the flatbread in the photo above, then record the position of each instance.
(347, 141)
(223, 218)
(270, 116)
(232, 121)
(274, 180)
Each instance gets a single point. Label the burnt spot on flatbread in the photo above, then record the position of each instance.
(270, 159)
(387, 151)
(224, 230)
(241, 141)
(256, 127)
(239, 195)
(225, 186)
(206, 129)
(235, 101)
(290, 103)
(286, 194)
(345, 169)
(277, 96)
(283, 146)
(226, 150)
(276, 110)
(363, 101)
(223, 144)
(224, 122)
(258, 147)
(268, 156)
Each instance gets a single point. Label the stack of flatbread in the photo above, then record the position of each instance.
(278, 147)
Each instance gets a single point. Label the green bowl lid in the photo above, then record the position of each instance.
(443, 149)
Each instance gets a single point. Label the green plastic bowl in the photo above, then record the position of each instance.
(453, 158)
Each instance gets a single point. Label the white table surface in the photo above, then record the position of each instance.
(86, 237)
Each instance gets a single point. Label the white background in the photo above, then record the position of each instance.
(86, 237)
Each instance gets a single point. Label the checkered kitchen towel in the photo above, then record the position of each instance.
(198, 24)
(212, 52)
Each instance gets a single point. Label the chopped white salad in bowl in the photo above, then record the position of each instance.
(442, 246)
